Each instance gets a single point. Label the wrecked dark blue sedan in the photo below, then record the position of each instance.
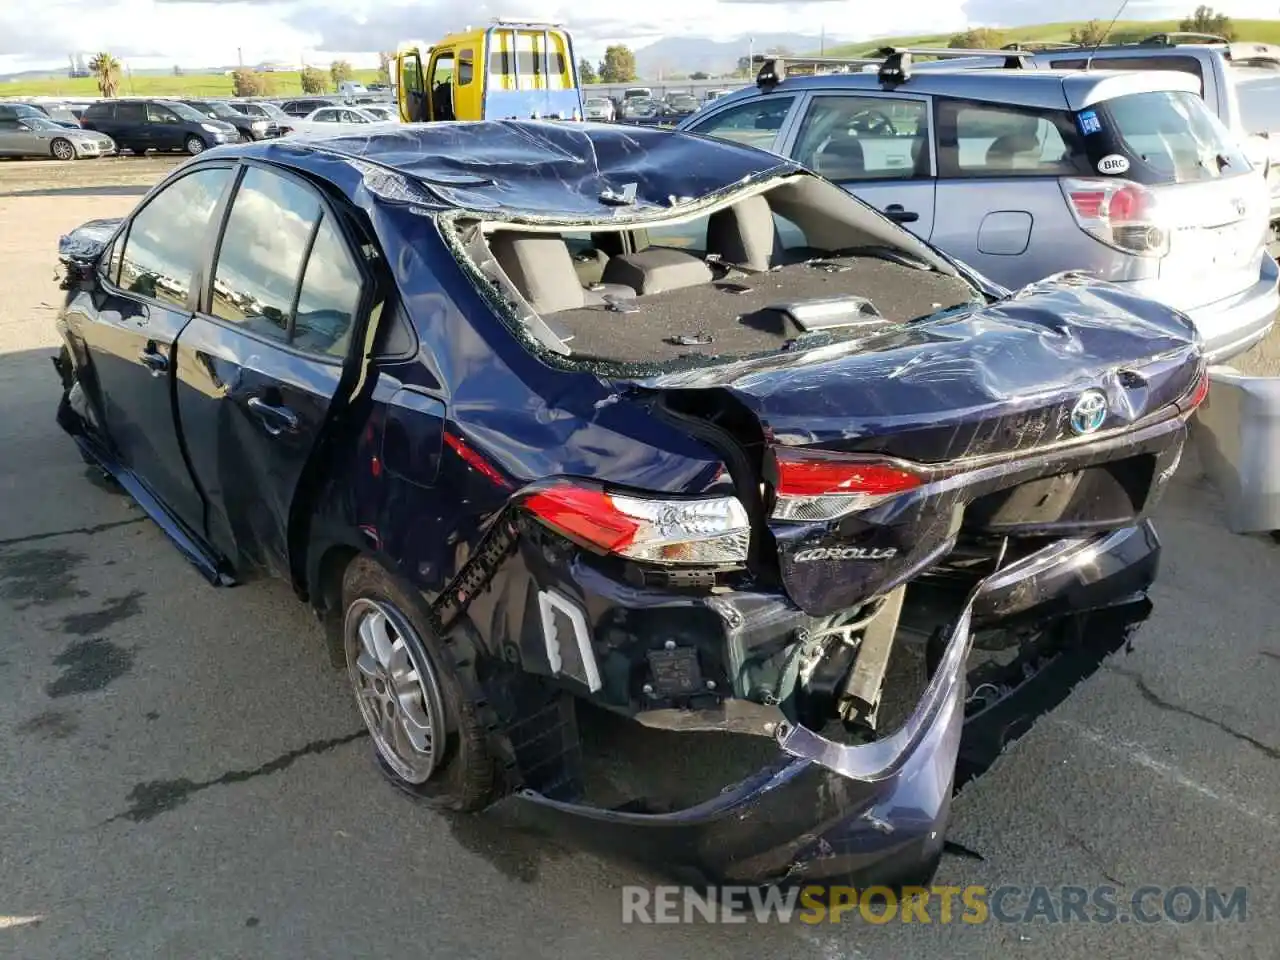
(646, 483)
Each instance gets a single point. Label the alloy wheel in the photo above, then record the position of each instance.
(396, 689)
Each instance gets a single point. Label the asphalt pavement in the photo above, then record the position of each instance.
(183, 775)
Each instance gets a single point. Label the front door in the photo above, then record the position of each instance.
(410, 88)
(264, 357)
(875, 146)
(131, 337)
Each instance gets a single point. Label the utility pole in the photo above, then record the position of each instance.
(239, 57)
(822, 41)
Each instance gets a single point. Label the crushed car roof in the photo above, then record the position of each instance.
(535, 168)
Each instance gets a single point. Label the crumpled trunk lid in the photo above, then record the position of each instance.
(982, 382)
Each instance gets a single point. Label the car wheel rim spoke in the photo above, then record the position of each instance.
(396, 690)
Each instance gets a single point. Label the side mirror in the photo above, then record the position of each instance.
(78, 274)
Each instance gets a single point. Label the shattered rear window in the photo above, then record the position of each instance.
(741, 283)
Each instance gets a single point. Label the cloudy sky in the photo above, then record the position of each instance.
(158, 33)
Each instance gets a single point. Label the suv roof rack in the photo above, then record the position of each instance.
(1035, 46)
(1175, 38)
(894, 62)
(516, 22)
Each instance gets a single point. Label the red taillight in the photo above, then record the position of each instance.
(695, 530)
(806, 475)
(821, 486)
(584, 514)
(1127, 204)
(1087, 203)
(1120, 213)
(1199, 394)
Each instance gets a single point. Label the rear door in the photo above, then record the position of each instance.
(876, 146)
(140, 312)
(1000, 206)
(262, 360)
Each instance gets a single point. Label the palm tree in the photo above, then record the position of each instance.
(106, 70)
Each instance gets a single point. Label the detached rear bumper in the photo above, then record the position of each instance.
(875, 813)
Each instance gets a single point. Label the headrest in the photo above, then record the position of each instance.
(743, 234)
(840, 158)
(541, 267)
(1004, 150)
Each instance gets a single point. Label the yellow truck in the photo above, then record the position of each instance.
(507, 70)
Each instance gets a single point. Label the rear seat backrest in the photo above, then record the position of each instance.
(744, 234)
(541, 267)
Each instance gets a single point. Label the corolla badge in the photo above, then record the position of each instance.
(1089, 412)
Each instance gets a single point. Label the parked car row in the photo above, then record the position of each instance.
(26, 131)
(66, 131)
(639, 106)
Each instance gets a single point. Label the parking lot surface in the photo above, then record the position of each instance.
(183, 775)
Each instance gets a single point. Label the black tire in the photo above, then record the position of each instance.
(194, 145)
(466, 776)
(62, 149)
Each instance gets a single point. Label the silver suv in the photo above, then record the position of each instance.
(1239, 82)
(1024, 173)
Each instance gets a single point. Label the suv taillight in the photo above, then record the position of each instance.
(1118, 212)
(703, 530)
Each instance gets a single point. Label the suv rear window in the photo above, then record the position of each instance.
(1164, 136)
(1173, 63)
(1260, 105)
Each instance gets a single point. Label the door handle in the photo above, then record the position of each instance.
(900, 214)
(275, 419)
(154, 360)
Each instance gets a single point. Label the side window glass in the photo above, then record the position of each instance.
(1260, 107)
(261, 253)
(982, 139)
(330, 295)
(166, 237)
(159, 114)
(756, 123)
(466, 66)
(865, 138)
(131, 113)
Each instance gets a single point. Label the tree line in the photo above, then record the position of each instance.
(619, 62)
(1203, 20)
